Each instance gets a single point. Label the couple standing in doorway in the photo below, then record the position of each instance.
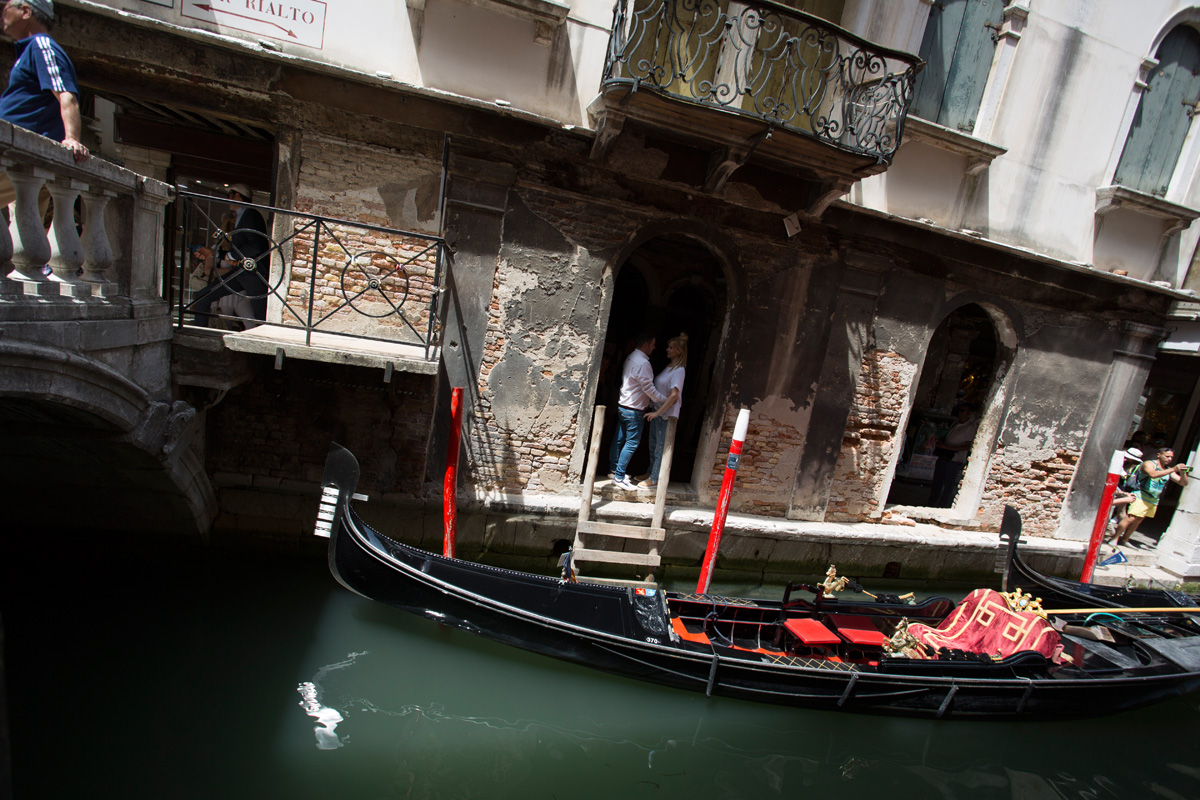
(646, 397)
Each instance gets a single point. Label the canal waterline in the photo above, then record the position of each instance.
(213, 674)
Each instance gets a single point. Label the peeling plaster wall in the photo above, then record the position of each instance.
(538, 349)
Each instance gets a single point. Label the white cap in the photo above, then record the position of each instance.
(1134, 454)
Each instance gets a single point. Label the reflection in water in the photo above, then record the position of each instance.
(434, 712)
(581, 734)
(327, 718)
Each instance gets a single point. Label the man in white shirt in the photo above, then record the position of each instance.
(637, 394)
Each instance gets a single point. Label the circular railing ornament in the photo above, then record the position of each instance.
(371, 278)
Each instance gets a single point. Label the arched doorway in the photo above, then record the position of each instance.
(958, 380)
(668, 285)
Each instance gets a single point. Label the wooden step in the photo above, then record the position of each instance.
(624, 531)
(618, 582)
(614, 557)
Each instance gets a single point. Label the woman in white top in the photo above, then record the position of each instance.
(669, 382)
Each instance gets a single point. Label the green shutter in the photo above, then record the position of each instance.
(960, 39)
(1163, 115)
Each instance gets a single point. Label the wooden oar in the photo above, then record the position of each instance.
(1185, 610)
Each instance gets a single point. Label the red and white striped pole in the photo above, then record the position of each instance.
(450, 488)
(1115, 467)
(722, 510)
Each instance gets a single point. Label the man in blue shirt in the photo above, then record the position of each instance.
(42, 93)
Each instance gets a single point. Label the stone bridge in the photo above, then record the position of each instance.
(92, 437)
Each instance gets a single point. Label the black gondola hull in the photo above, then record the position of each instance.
(627, 633)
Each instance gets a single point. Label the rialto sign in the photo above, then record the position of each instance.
(293, 21)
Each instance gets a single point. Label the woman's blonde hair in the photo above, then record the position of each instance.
(679, 341)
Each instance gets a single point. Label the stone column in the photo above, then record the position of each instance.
(475, 207)
(147, 240)
(850, 328)
(1118, 401)
(1179, 548)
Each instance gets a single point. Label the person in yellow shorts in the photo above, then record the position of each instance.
(1155, 474)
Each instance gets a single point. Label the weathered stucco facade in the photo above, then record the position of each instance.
(824, 330)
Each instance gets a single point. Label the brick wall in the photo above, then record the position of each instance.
(1035, 482)
(770, 459)
(871, 436)
(275, 430)
(370, 283)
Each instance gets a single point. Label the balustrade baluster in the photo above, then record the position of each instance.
(31, 248)
(66, 251)
(6, 246)
(95, 236)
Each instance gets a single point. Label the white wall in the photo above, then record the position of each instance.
(1063, 118)
(477, 51)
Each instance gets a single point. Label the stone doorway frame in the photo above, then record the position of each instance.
(992, 412)
(721, 339)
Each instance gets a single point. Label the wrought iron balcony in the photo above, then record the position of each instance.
(770, 68)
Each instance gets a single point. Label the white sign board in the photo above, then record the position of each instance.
(294, 21)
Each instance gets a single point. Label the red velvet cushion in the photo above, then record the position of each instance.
(983, 623)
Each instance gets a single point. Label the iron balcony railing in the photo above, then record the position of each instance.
(319, 274)
(764, 60)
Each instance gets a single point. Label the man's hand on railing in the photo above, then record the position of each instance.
(77, 148)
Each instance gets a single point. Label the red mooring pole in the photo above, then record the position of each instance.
(450, 488)
(722, 511)
(1110, 487)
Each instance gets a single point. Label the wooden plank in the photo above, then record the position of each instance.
(585, 503)
(617, 582)
(613, 557)
(623, 531)
(664, 472)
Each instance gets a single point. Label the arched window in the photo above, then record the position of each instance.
(1163, 116)
(960, 39)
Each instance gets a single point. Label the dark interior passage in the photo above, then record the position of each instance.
(959, 368)
(670, 285)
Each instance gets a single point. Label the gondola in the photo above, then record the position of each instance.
(991, 656)
(1062, 593)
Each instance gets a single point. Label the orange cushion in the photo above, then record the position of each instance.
(858, 629)
(810, 631)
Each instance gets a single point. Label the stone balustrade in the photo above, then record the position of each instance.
(111, 250)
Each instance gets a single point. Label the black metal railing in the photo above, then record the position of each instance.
(319, 274)
(760, 59)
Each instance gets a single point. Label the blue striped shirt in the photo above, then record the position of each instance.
(41, 69)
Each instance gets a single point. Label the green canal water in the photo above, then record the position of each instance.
(226, 676)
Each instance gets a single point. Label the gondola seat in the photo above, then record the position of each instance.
(984, 623)
(857, 629)
(811, 632)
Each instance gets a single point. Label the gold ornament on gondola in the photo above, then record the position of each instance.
(1023, 601)
(902, 644)
(832, 582)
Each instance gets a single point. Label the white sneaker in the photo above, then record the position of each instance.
(624, 483)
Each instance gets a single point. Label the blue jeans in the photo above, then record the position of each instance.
(658, 440)
(625, 442)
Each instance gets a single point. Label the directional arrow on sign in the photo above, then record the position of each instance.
(243, 16)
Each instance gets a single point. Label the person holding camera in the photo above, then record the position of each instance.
(1155, 474)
